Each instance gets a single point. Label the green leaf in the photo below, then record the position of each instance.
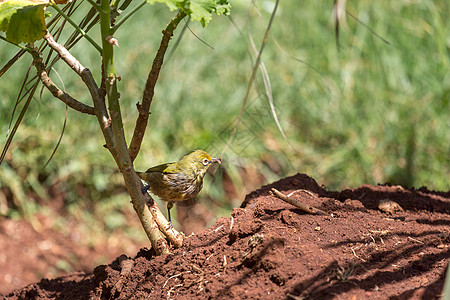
(198, 10)
(22, 20)
(223, 7)
(172, 4)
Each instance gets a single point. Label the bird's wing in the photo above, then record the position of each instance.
(169, 168)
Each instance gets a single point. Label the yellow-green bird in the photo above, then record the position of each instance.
(178, 181)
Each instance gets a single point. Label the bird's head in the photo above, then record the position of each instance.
(198, 162)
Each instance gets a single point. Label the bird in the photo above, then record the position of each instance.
(178, 181)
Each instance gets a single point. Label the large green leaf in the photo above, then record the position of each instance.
(22, 20)
(198, 10)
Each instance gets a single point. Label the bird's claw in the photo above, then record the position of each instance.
(168, 226)
(145, 189)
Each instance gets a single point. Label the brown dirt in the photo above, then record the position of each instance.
(270, 250)
(32, 250)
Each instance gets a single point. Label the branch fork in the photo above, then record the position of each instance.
(110, 117)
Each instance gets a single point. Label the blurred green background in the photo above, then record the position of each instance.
(367, 113)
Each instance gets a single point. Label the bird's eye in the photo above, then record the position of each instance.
(205, 161)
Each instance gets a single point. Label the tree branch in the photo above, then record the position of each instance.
(149, 91)
(74, 64)
(104, 120)
(174, 237)
(57, 92)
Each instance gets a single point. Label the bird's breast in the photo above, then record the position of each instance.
(175, 187)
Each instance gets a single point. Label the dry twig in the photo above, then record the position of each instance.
(298, 204)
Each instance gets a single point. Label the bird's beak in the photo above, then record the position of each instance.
(216, 160)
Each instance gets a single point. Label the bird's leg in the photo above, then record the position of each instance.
(145, 188)
(169, 206)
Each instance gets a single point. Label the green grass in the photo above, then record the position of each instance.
(367, 113)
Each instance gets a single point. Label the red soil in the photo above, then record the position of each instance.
(270, 250)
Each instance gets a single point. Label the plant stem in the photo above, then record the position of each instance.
(71, 22)
(95, 5)
(18, 45)
(123, 160)
(129, 14)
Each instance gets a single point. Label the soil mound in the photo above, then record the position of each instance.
(269, 249)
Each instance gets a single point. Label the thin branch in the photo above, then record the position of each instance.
(268, 88)
(18, 121)
(72, 62)
(81, 31)
(11, 62)
(56, 91)
(17, 45)
(59, 140)
(129, 14)
(298, 204)
(174, 237)
(198, 38)
(149, 91)
(368, 28)
(177, 42)
(252, 77)
(95, 5)
(21, 95)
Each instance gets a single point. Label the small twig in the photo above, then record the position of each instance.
(298, 204)
(354, 253)
(414, 240)
(368, 28)
(129, 14)
(174, 276)
(252, 78)
(172, 289)
(301, 190)
(77, 28)
(197, 269)
(18, 121)
(295, 297)
(95, 5)
(17, 45)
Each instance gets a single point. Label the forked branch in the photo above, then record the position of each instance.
(55, 90)
(74, 64)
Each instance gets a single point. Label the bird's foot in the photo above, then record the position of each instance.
(168, 226)
(145, 189)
